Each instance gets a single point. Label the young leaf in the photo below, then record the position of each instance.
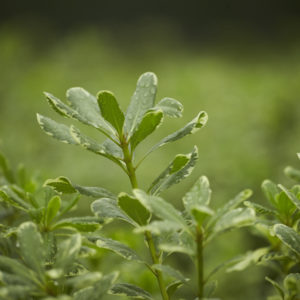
(169, 271)
(170, 107)
(112, 149)
(130, 290)
(270, 190)
(31, 246)
(198, 195)
(94, 192)
(172, 287)
(11, 198)
(86, 106)
(52, 209)
(288, 236)
(200, 213)
(83, 224)
(141, 101)
(178, 169)
(161, 208)
(210, 288)
(261, 209)
(115, 246)
(149, 123)
(292, 284)
(134, 209)
(7, 172)
(276, 286)
(61, 185)
(108, 209)
(292, 173)
(291, 196)
(159, 227)
(83, 280)
(110, 110)
(58, 131)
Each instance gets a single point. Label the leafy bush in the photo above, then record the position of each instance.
(47, 255)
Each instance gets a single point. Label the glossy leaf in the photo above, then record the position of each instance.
(141, 101)
(31, 246)
(52, 209)
(134, 209)
(130, 290)
(110, 110)
(288, 236)
(170, 107)
(178, 169)
(148, 124)
(108, 209)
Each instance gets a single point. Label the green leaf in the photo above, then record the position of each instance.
(210, 288)
(235, 218)
(260, 208)
(67, 253)
(134, 209)
(61, 185)
(115, 246)
(52, 209)
(108, 209)
(291, 196)
(292, 284)
(200, 213)
(270, 190)
(169, 271)
(6, 170)
(284, 204)
(83, 280)
(161, 208)
(198, 195)
(178, 169)
(276, 286)
(292, 173)
(83, 224)
(149, 123)
(8, 196)
(141, 101)
(112, 149)
(91, 145)
(58, 131)
(87, 108)
(158, 227)
(288, 236)
(172, 287)
(110, 110)
(72, 203)
(197, 123)
(94, 192)
(31, 246)
(130, 290)
(170, 107)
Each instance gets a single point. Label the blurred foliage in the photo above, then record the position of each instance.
(249, 91)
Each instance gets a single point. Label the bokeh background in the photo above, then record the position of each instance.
(238, 60)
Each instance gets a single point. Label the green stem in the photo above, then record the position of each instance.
(199, 241)
(148, 235)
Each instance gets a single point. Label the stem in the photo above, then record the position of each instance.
(199, 241)
(148, 236)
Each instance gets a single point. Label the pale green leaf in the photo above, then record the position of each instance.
(141, 101)
(94, 192)
(291, 196)
(169, 271)
(170, 107)
(112, 149)
(61, 185)
(134, 209)
(178, 169)
(159, 227)
(151, 120)
(130, 290)
(288, 236)
(292, 173)
(200, 213)
(52, 209)
(110, 110)
(31, 246)
(87, 108)
(83, 280)
(83, 224)
(108, 209)
(161, 208)
(270, 190)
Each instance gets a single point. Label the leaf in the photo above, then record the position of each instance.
(288, 236)
(172, 287)
(52, 209)
(141, 101)
(58, 131)
(235, 218)
(292, 284)
(292, 173)
(87, 108)
(197, 123)
(8, 196)
(83, 280)
(276, 286)
(108, 209)
(158, 227)
(284, 205)
(151, 120)
(83, 224)
(5, 167)
(170, 107)
(91, 145)
(110, 110)
(210, 288)
(260, 208)
(198, 195)
(31, 246)
(134, 209)
(61, 185)
(112, 149)
(270, 190)
(130, 290)
(200, 213)
(290, 195)
(115, 246)
(167, 270)
(178, 169)
(94, 192)
(67, 253)
(161, 208)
